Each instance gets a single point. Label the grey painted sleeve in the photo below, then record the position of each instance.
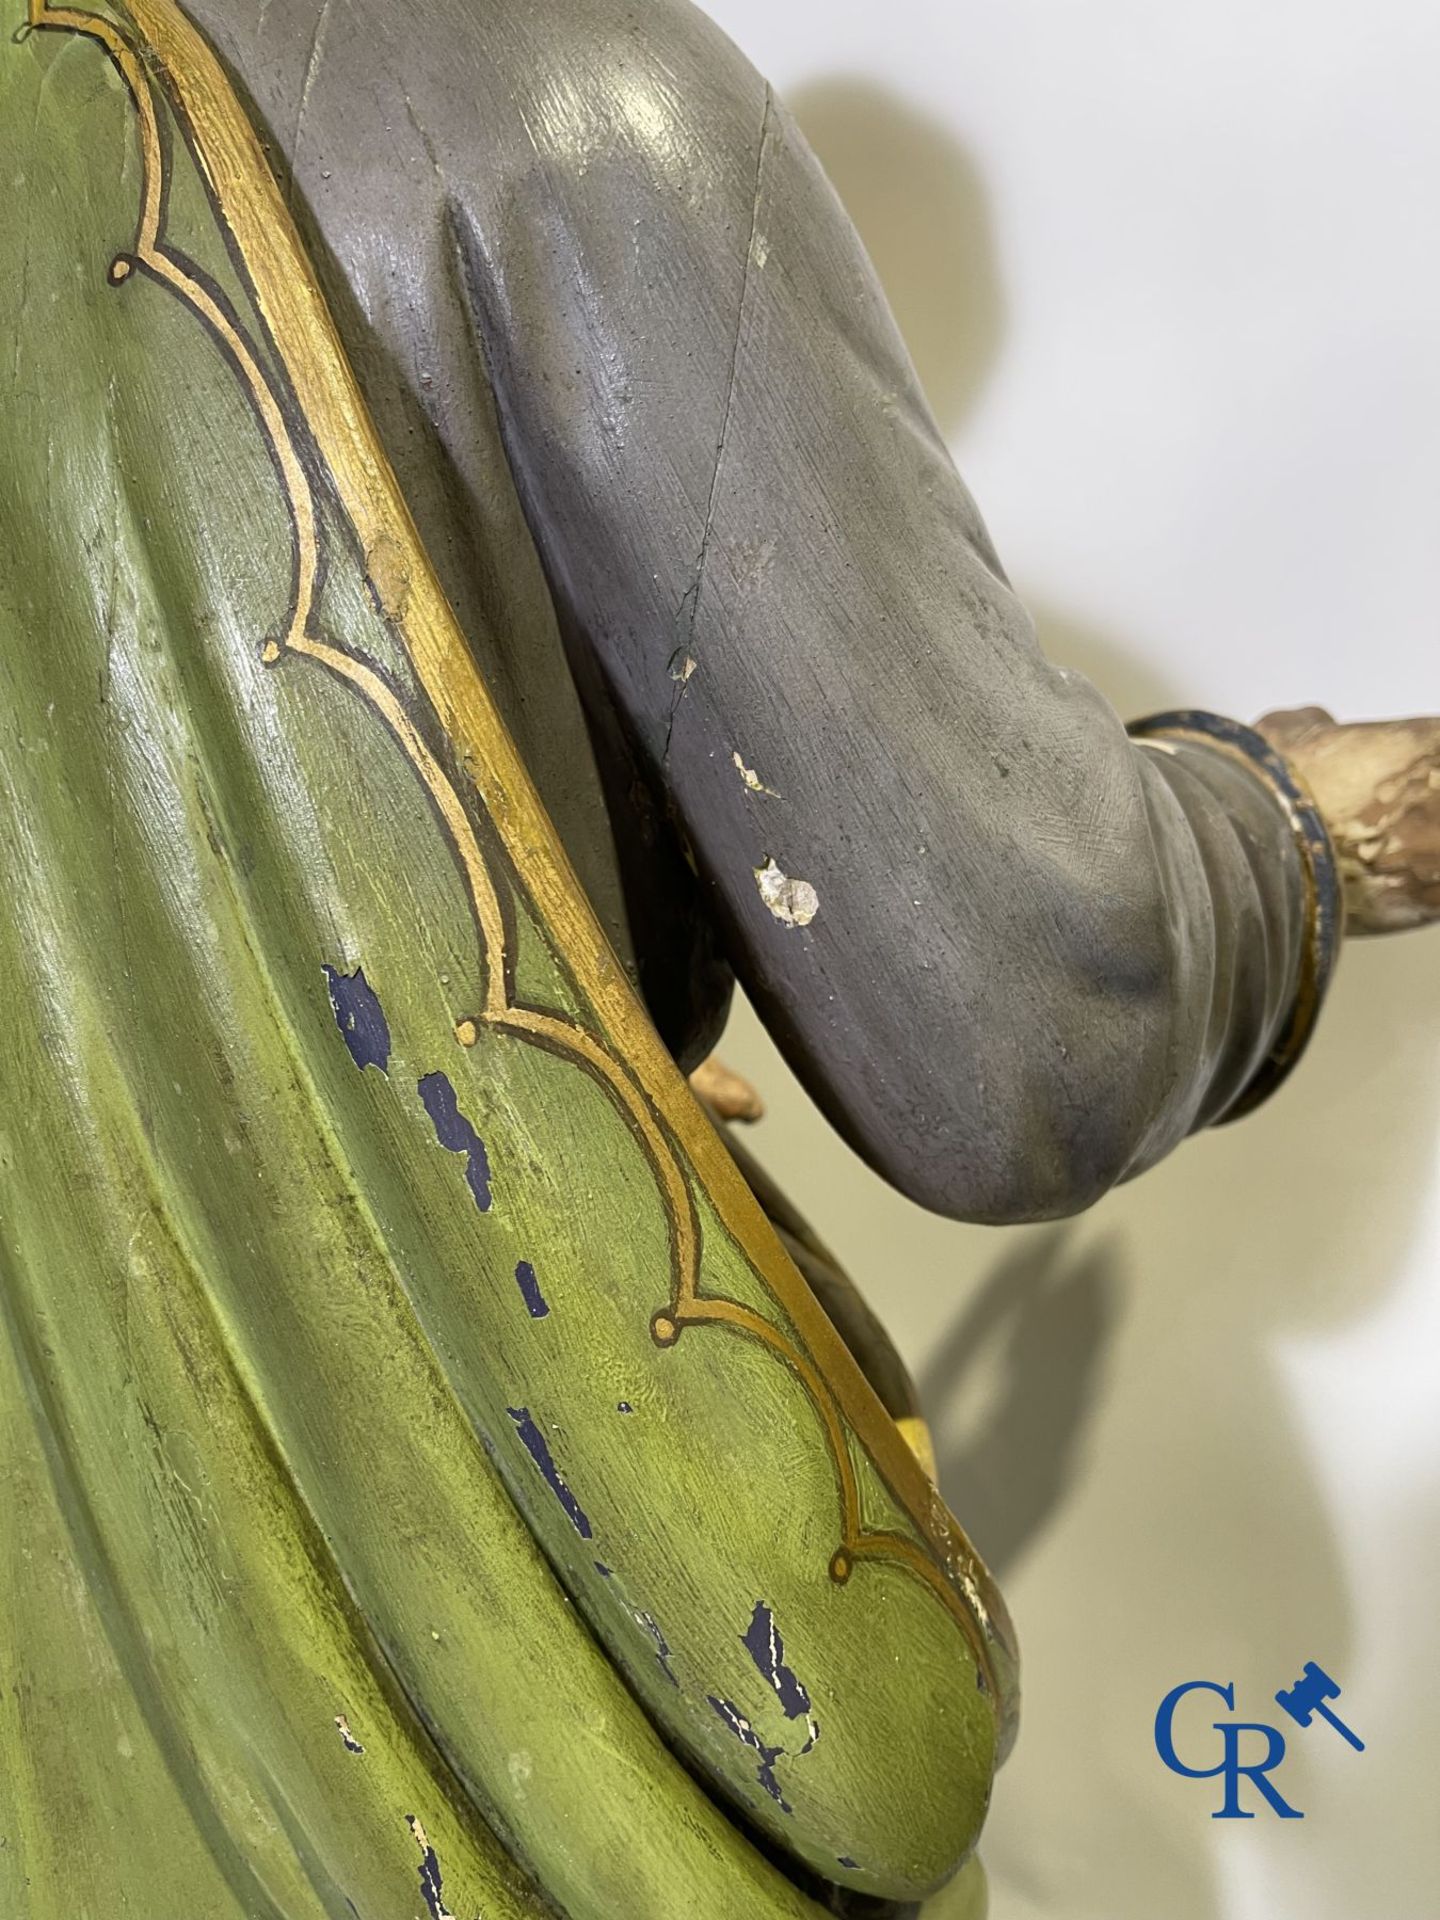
(1027, 956)
(1034, 955)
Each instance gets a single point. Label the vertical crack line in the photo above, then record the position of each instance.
(686, 652)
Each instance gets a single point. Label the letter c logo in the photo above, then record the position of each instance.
(1165, 1727)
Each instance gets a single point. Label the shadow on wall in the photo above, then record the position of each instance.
(1122, 1367)
(918, 203)
(1039, 1327)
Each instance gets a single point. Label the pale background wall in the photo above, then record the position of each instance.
(1172, 278)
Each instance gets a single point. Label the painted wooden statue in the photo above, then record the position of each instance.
(477, 575)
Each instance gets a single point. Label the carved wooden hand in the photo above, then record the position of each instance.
(1377, 785)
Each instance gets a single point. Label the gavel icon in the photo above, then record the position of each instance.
(1307, 1698)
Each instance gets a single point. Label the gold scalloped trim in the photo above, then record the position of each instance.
(302, 331)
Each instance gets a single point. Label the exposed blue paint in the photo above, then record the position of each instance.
(360, 1018)
(530, 1292)
(603, 1570)
(430, 1885)
(746, 1734)
(763, 1643)
(624, 1406)
(662, 1649)
(454, 1131)
(534, 1443)
(844, 1860)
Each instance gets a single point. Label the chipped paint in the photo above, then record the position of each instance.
(763, 1643)
(662, 1648)
(682, 666)
(973, 1596)
(794, 903)
(623, 1406)
(360, 1018)
(535, 1445)
(455, 1133)
(536, 1303)
(388, 567)
(430, 1887)
(752, 779)
(352, 1745)
(746, 1734)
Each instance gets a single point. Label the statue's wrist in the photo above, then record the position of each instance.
(1321, 898)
